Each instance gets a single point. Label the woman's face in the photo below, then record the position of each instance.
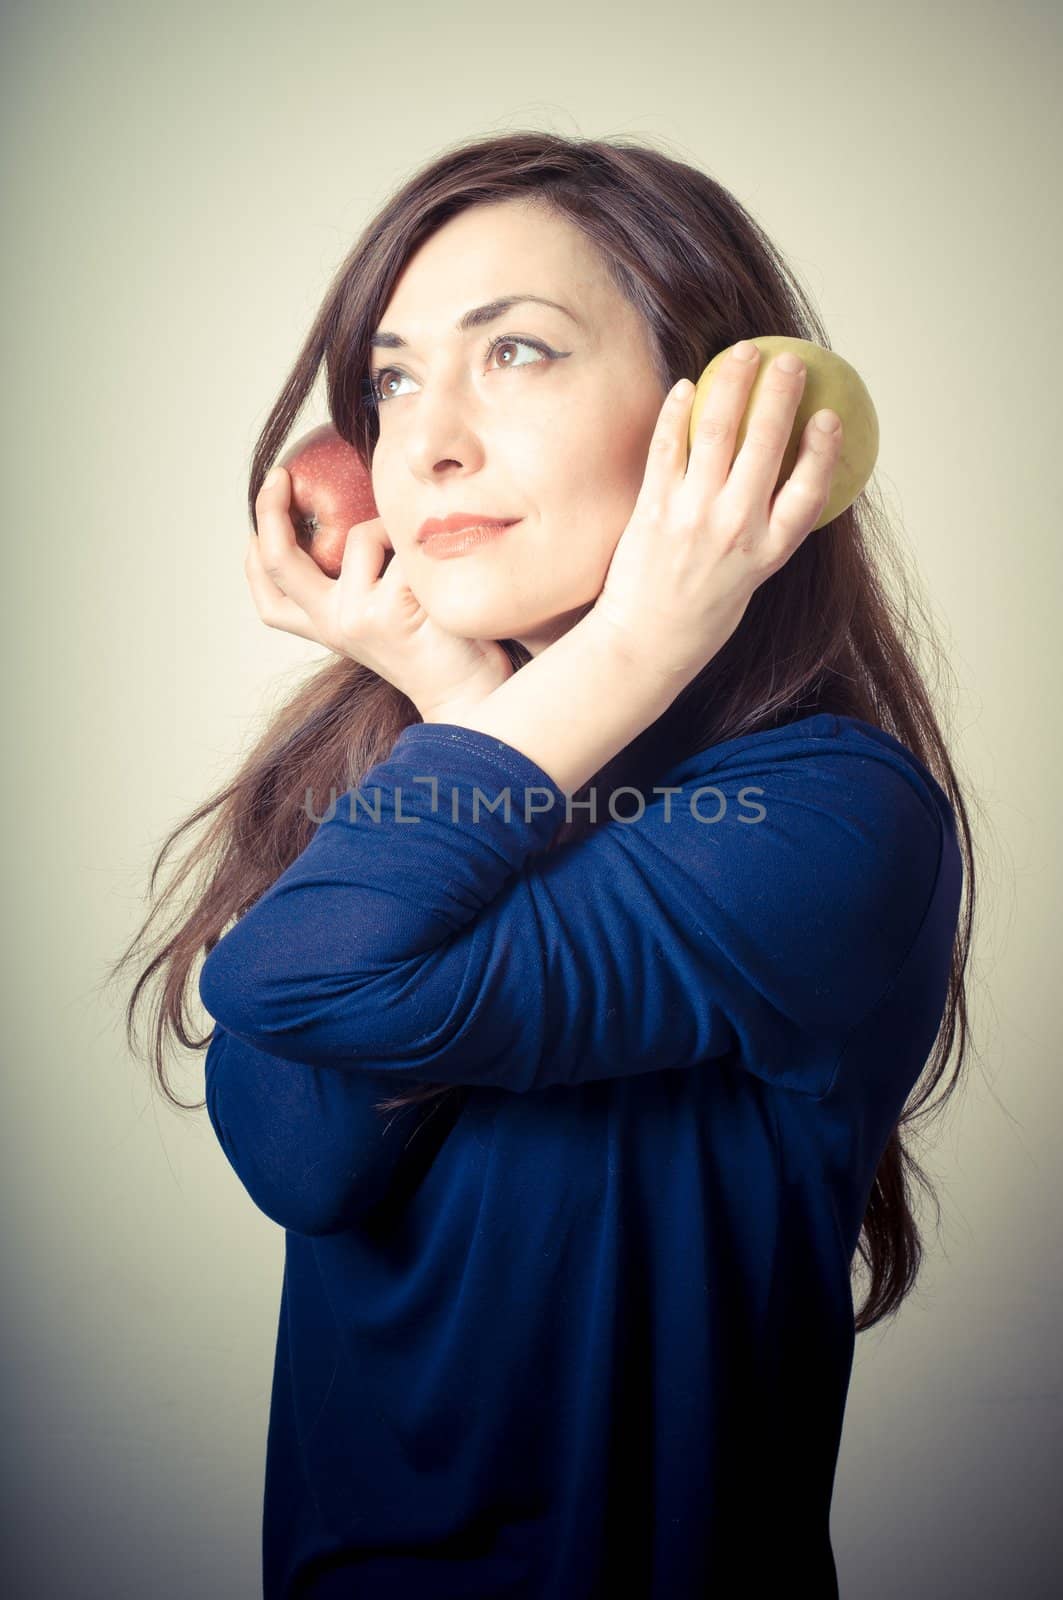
(559, 441)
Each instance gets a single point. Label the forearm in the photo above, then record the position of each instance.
(572, 708)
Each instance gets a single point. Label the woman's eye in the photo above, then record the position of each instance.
(381, 379)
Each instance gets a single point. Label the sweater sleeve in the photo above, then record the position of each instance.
(762, 901)
(307, 1144)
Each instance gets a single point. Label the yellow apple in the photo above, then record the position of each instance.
(831, 383)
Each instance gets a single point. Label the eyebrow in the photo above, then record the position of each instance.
(476, 318)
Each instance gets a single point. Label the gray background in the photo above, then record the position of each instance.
(179, 184)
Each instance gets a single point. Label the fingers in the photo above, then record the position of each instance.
(800, 501)
(291, 568)
(756, 467)
(713, 446)
(667, 450)
(364, 554)
(274, 608)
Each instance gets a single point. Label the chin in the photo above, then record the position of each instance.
(473, 612)
(480, 622)
(469, 614)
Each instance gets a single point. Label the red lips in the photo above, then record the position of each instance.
(462, 519)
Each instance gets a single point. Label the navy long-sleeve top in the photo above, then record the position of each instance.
(586, 1326)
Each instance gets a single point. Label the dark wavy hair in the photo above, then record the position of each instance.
(824, 633)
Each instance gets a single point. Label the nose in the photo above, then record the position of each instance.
(442, 423)
(446, 431)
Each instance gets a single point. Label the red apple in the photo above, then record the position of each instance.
(331, 493)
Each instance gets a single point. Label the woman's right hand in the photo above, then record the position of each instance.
(370, 616)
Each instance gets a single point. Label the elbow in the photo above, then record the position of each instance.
(305, 1019)
(241, 1006)
(216, 989)
(245, 986)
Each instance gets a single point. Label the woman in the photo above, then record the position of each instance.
(586, 1323)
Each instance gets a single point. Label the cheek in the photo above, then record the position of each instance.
(392, 502)
(610, 477)
(603, 459)
(631, 448)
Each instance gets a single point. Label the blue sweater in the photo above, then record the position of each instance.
(586, 1326)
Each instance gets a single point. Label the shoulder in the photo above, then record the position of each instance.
(813, 849)
(843, 768)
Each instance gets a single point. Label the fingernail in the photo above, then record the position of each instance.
(827, 422)
(745, 351)
(272, 476)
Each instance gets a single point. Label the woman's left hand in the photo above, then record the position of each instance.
(701, 540)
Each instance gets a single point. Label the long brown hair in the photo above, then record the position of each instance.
(824, 633)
